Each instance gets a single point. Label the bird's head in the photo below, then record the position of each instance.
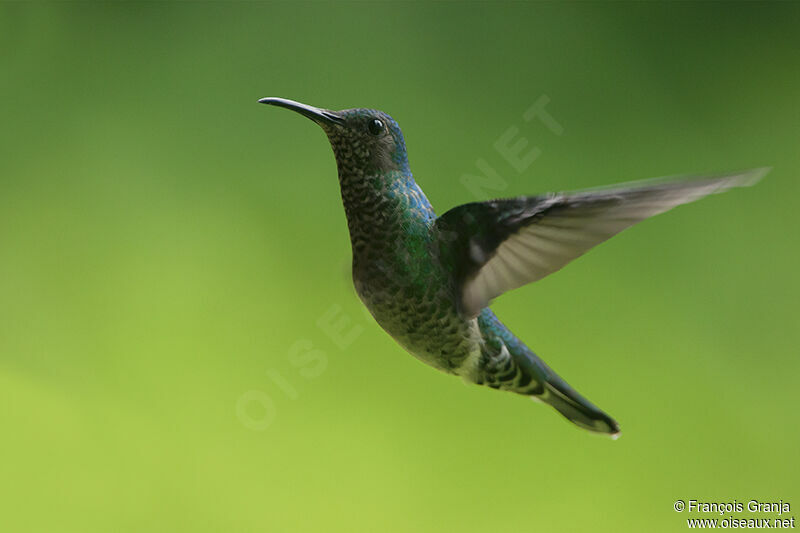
(365, 141)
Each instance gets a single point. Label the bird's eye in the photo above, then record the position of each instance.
(375, 127)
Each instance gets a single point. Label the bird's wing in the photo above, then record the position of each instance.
(499, 245)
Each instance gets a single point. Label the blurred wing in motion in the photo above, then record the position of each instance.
(500, 245)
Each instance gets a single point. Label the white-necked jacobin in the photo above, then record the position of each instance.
(429, 280)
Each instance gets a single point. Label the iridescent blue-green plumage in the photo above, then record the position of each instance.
(428, 280)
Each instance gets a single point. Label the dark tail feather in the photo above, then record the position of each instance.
(577, 409)
(528, 375)
(555, 392)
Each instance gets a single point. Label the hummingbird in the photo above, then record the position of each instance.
(428, 280)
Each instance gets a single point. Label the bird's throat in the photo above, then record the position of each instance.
(385, 211)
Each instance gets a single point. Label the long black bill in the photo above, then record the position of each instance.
(320, 116)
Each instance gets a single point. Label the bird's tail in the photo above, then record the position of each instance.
(578, 409)
(517, 369)
(557, 393)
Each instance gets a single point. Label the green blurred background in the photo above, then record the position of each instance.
(167, 244)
